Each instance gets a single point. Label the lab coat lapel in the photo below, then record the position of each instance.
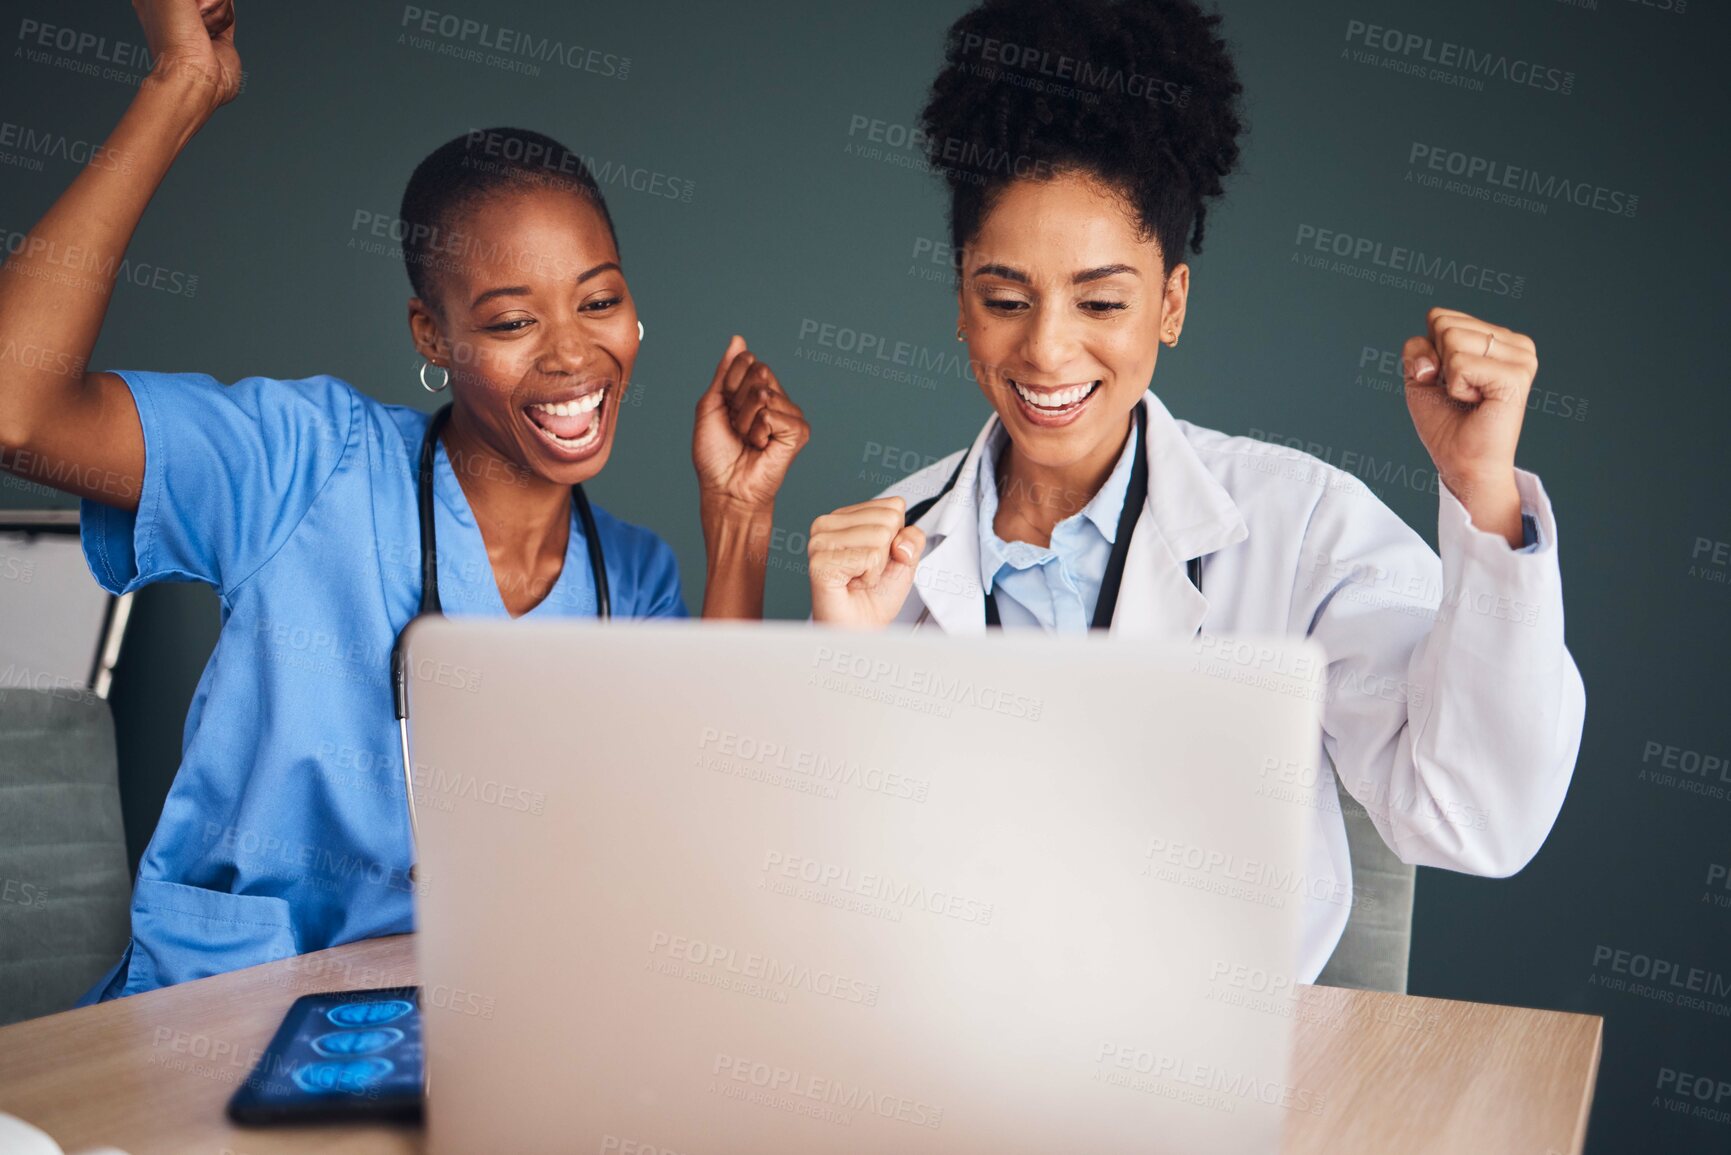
(948, 577)
(1188, 514)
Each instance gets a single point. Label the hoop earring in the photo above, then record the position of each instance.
(440, 387)
(959, 336)
(640, 331)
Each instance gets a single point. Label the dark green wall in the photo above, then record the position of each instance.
(779, 226)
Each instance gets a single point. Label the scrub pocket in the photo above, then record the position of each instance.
(187, 932)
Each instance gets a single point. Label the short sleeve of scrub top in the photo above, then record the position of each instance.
(286, 828)
(228, 474)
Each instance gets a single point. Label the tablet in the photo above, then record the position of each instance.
(342, 1056)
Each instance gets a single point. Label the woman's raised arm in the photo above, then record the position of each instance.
(61, 425)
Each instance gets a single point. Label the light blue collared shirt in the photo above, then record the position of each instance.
(1057, 587)
(1053, 587)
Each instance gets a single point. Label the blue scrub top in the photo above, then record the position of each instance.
(286, 829)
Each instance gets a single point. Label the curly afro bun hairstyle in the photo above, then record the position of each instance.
(1139, 94)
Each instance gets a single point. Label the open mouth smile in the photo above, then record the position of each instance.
(571, 427)
(1052, 405)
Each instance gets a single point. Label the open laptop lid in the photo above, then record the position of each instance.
(694, 888)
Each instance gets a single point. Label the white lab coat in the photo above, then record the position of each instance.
(1456, 729)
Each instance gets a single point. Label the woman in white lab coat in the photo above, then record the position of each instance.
(1452, 710)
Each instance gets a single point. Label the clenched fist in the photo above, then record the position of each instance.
(862, 561)
(747, 432)
(1467, 382)
(192, 41)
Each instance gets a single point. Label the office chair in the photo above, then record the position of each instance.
(64, 882)
(1374, 948)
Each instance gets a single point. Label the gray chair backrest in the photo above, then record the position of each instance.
(64, 884)
(1374, 947)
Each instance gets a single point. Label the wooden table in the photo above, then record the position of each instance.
(152, 1073)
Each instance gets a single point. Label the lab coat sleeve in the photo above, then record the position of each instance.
(1453, 710)
(229, 473)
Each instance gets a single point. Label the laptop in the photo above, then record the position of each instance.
(693, 888)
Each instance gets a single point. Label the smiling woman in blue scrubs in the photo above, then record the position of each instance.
(286, 829)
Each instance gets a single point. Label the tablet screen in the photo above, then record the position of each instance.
(347, 1054)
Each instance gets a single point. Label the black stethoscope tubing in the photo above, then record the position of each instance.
(1135, 496)
(430, 605)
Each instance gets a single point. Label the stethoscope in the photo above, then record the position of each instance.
(430, 605)
(1135, 497)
